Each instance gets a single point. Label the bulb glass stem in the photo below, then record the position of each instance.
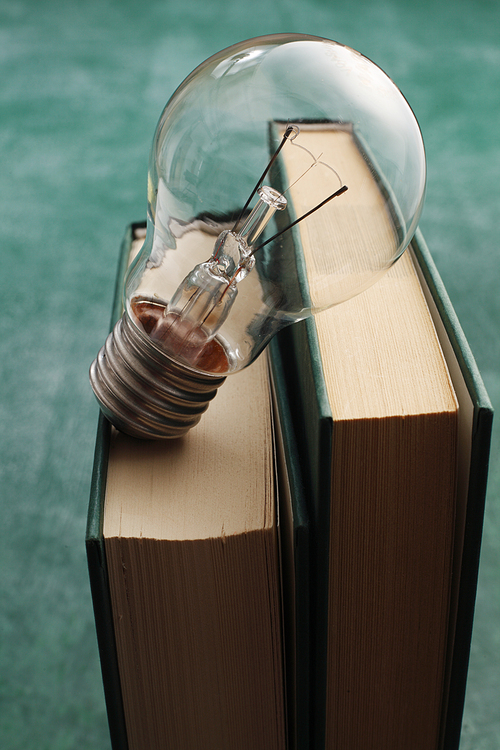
(203, 301)
(270, 200)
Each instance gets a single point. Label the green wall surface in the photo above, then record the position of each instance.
(82, 85)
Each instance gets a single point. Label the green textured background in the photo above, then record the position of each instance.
(81, 87)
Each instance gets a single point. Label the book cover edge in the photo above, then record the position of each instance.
(94, 543)
(476, 494)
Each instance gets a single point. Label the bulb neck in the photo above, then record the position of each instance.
(269, 202)
(144, 392)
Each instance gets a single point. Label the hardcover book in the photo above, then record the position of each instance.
(392, 427)
(182, 544)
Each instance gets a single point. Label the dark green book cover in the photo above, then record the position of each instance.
(295, 552)
(96, 555)
(468, 382)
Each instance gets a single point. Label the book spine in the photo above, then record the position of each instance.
(99, 585)
(295, 559)
(311, 429)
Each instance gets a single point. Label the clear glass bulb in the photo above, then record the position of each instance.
(242, 156)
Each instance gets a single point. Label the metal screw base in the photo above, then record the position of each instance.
(145, 393)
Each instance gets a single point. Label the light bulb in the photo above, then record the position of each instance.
(237, 164)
